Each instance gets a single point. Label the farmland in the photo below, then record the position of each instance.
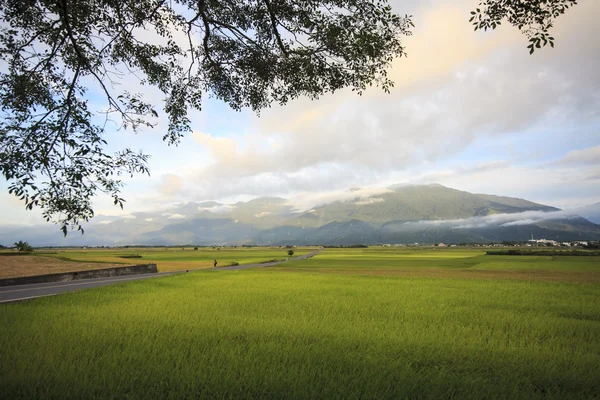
(451, 263)
(349, 323)
(167, 258)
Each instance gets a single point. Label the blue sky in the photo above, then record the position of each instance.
(470, 110)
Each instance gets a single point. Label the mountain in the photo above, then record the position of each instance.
(414, 203)
(396, 214)
(590, 212)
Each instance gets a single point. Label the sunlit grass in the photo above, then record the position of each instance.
(177, 259)
(264, 334)
(402, 258)
(381, 323)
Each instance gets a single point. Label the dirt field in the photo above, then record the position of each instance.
(18, 266)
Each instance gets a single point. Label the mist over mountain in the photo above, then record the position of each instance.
(590, 212)
(396, 214)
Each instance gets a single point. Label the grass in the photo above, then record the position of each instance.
(167, 259)
(456, 259)
(450, 263)
(177, 259)
(269, 333)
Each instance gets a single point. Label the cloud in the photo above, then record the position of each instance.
(307, 200)
(585, 156)
(469, 110)
(176, 216)
(373, 200)
(494, 220)
(170, 184)
(218, 209)
(221, 148)
(456, 87)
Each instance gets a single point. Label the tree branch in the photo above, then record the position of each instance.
(206, 38)
(274, 26)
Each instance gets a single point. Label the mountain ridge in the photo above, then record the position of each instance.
(396, 214)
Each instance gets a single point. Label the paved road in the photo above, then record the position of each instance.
(24, 292)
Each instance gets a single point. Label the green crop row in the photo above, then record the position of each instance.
(273, 334)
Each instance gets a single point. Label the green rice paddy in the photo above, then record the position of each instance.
(346, 324)
(471, 259)
(177, 259)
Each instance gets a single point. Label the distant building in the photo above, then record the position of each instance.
(545, 242)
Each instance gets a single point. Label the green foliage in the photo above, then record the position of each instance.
(173, 259)
(533, 17)
(259, 334)
(23, 246)
(246, 53)
(131, 256)
(347, 246)
(519, 252)
(450, 259)
(290, 252)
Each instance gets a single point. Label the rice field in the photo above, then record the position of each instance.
(307, 331)
(166, 258)
(451, 263)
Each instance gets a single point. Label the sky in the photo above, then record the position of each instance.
(469, 110)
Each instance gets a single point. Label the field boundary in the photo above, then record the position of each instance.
(77, 275)
(269, 263)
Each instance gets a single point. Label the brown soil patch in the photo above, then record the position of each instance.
(18, 266)
(544, 276)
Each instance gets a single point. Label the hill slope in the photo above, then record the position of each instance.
(415, 203)
(397, 214)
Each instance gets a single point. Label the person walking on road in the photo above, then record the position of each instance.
(215, 264)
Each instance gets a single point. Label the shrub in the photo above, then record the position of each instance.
(23, 246)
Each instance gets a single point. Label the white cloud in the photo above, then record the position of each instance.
(218, 209)
(373, 200)
(307, 200)
(584, 156)
(170, 184)
(176, 216)
(455, 87)
(524, 218)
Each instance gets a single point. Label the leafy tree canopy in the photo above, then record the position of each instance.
(23, 246)
(56, 53)
(533, 17)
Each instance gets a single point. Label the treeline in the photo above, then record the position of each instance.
(346, 246)
(515, 252)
